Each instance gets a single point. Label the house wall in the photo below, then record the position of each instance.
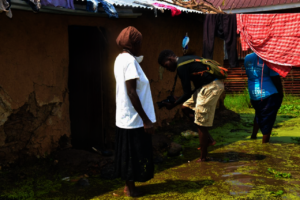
(34, 106)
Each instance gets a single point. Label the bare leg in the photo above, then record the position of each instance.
(255, 129)
(191, 115)
(266, 138)
(132, 191)
(126, 189)
(204, 142)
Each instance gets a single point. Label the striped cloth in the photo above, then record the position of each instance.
(275, 38)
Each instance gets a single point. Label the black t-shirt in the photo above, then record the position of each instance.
(185, 74)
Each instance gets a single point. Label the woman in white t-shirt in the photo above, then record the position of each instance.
(134, 115)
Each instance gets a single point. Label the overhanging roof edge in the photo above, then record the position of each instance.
(264, 8)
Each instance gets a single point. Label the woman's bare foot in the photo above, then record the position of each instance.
(203, 160)
(130, 190)
(134, 193)
(126, 189)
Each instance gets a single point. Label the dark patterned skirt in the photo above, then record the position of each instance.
(133, 155)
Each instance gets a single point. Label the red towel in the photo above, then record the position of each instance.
(275, 38)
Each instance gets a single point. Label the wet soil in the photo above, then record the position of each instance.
(238, 170)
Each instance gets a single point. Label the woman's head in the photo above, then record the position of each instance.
(130, 39)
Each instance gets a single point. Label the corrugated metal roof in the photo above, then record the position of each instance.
(239, 4)
(131, 3)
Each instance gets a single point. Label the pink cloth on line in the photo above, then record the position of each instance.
(59, 3)
(273, 37)
(174, 11)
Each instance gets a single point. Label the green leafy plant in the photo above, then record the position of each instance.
(278, 193)
(290, 109)
(279, 174)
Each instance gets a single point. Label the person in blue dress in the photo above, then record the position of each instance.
(266, 94)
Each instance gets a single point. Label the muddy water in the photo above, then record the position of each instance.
(238, 169)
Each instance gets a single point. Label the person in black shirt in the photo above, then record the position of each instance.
(199, 104)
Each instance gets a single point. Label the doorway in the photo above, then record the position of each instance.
(86, 55)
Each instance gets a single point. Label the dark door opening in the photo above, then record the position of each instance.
(86, 49)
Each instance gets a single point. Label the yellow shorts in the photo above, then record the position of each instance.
(204, 102)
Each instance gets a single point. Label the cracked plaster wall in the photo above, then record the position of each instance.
(34, 105)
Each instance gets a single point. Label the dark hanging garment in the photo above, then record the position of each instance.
(223, 26)
(34, 4)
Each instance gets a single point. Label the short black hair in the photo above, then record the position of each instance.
(164, 55)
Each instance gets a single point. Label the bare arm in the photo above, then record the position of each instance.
(135, 100)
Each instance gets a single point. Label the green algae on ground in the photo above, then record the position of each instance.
(31, 189)
(278, 193)
(238, 170)
(242, 176)
(279, 174)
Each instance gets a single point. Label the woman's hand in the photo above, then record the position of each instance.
(148, 126)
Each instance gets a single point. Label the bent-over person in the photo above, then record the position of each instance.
(199, 105)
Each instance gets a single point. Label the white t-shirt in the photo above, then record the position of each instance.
(127, 68)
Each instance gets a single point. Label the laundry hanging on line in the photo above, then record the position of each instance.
(174, 10)
(92, 6)
(5, 7)
(34, 4)
(223, 26)
(275, 38)
(69, 4)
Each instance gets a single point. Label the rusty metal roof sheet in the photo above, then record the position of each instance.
(241, 4)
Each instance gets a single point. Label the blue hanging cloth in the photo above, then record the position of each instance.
(185, 43)
(92, 6)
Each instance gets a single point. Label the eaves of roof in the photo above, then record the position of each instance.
(264, 8)
(124, 8)
(252, 6)
(79, 10)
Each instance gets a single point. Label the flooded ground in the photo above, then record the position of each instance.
(238, 170)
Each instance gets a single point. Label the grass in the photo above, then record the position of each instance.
(240, 102)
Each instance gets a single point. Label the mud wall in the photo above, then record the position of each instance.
(34, 105)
